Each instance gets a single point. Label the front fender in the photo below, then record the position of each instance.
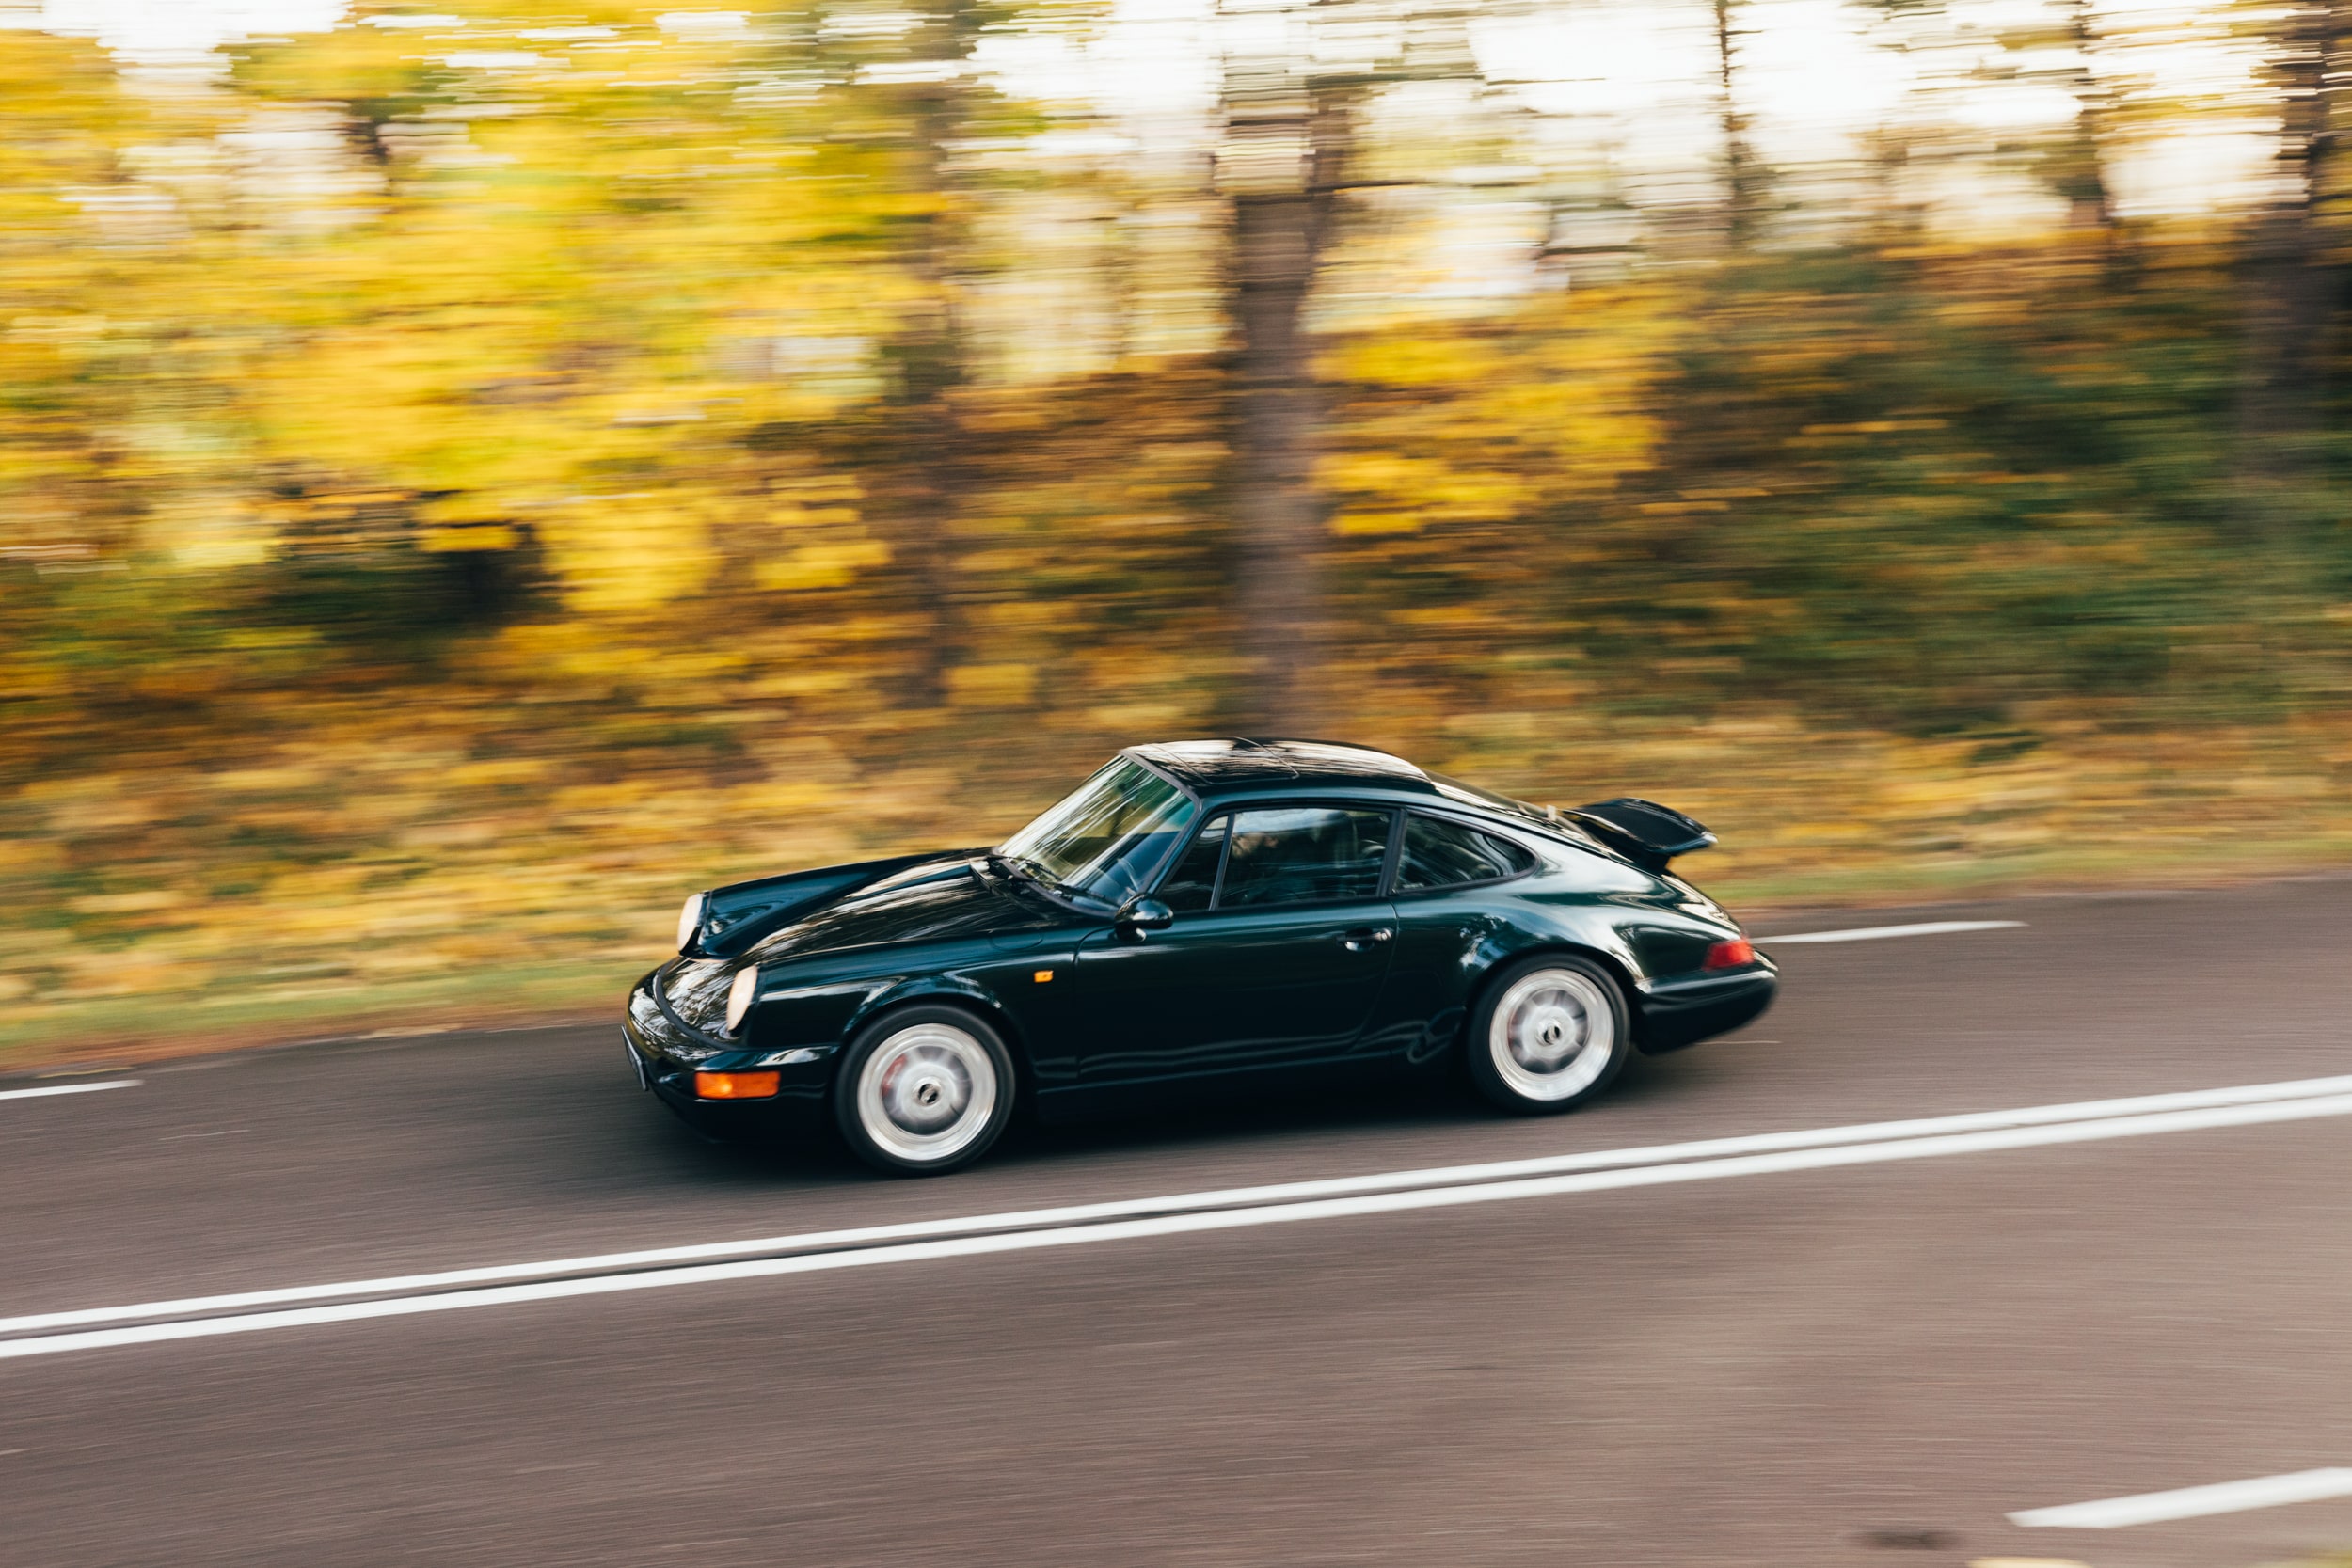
(946, 986)
(825, 1014)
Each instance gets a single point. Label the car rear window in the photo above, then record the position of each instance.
(1438, 853)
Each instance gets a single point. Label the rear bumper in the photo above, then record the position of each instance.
(1684, 1011)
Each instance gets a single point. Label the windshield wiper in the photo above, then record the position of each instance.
(1018, 868)
(1030, 871)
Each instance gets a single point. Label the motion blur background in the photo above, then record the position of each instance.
(470, 475)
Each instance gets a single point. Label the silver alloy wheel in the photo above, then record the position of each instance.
(1552, 1033)
(926, 1092)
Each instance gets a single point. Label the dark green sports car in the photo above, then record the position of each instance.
(1213, 918)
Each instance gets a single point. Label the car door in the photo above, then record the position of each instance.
(1276, 957)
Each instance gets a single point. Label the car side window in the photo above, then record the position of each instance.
(1303, 855)
(1191, 882)
(1438, 853)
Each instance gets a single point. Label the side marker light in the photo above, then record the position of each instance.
(1043, 975)
(1730, 954)
(736, 1086)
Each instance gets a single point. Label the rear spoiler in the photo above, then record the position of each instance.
(1643, 831)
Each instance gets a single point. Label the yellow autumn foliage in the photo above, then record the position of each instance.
(462, 487)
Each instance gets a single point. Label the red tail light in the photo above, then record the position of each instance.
(1730, 954)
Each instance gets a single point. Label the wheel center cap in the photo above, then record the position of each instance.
(925, 1098)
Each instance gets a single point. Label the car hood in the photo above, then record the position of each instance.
(932, 901)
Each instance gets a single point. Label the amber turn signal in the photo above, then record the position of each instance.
(1730, 954)
(736, 1086)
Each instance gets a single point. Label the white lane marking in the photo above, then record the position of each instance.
(2193, 1502)
(1176, 1225)
(70, 1088)
(1872, 933)
(1084, 1214)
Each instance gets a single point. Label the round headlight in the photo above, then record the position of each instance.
(690, 920)
(740, 996)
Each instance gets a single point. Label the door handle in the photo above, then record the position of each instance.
(1363, 937)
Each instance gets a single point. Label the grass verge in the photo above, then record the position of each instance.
(153, 1027)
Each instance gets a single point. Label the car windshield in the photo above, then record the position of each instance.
(1103, 841)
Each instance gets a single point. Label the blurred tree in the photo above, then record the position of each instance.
(1288, 138)
(2061, 48)
(1740, 167)
(924, 100)
(2083, 178)
(1293, 88)
(2294, 268)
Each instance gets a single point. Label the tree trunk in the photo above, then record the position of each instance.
(1284, 150)
(923, 463)
(2084, 186)
(917, 497)
(2289, 288)
(1739, 161)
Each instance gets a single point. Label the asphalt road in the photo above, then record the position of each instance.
(1867, 1363)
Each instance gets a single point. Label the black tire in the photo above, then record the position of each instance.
(924, 1090)
(1530, 1062)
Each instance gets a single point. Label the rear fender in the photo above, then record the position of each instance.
(1619, 967)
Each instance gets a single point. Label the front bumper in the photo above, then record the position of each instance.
(666, 1066)
(1686, 1010)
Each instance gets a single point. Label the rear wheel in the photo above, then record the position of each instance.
(1550, 1035)
(925, 1090)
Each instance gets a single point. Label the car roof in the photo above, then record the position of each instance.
(1210, 766)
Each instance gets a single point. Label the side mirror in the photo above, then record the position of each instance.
(1146, 914)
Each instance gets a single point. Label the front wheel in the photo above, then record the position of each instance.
(1551, 1034)
(925, 1090)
